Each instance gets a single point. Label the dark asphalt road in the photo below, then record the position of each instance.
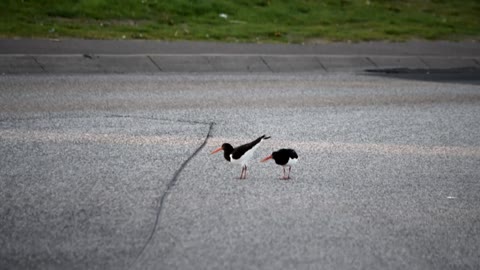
(122, 47)
(72, 56)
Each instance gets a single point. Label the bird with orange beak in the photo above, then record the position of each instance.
(241, 154)
(284, 158)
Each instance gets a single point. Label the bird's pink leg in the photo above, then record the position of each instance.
(243, 175)
(289, 169)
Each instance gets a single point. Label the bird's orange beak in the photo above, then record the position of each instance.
(216, 150)
(267, 158)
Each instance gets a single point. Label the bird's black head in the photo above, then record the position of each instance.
(227, 150)
(276, 155)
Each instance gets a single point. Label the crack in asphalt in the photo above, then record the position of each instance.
(154, 63)
(424, 62)
(170, 185)
(321, 64)
(371, 62)
(173, 180)
(266, 64)
(38, 63)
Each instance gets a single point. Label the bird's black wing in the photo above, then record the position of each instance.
(282, 156)
(238, 152)
(292, 153)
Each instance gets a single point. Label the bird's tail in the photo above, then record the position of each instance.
(264, 137)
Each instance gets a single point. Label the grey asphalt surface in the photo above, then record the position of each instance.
(121, 56)
(113, 171)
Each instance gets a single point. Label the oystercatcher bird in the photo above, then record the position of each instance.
(241, 154)
(284, 158)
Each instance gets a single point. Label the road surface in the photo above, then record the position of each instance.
(109, 171)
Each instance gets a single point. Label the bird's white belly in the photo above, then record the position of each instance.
(243, 160)
(291, 161)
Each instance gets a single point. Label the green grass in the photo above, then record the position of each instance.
(248, 20)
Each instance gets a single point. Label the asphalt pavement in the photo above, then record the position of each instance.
(32, 56)
(103, 168)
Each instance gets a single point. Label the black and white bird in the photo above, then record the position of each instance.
(284, 158)
(241, 154)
